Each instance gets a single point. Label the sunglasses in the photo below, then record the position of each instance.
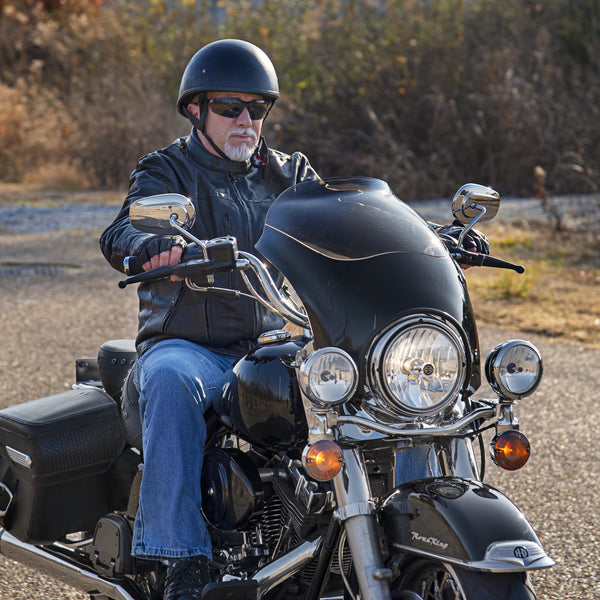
(232, 108)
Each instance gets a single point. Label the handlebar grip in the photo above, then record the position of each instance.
(132, 266)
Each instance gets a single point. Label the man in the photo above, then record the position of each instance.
(188, 338)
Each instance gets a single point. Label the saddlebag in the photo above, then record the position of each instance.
(55, 454)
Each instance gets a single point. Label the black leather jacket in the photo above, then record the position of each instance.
(231, 198)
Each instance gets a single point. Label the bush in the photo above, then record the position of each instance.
(426, 95)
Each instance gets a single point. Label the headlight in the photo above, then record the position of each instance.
(514, 368)
(328, 376)
(419, 366)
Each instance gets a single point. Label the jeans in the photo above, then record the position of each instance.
(178, 380)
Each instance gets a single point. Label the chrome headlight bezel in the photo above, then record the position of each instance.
(312, 365)
(500, 365)
(378, 355)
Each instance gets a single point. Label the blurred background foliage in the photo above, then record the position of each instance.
(426, 94)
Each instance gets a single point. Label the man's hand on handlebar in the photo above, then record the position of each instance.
(167, 258)
(161, 251)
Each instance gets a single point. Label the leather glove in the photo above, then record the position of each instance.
(156, 244)
(474, 241)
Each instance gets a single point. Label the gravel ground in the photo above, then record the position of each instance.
(67, 309)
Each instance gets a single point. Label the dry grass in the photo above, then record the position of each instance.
(559, 293)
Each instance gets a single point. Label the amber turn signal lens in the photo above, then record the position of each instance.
(323, 460)
(510, 450)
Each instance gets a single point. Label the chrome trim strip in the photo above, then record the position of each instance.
(19, 458)
(487, 565)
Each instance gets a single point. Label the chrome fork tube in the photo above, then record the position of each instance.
(356, 510)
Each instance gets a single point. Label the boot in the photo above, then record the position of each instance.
(186, 577)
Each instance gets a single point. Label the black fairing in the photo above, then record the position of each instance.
(261, 399)
(360, 259)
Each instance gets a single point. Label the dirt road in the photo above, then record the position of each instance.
(50, 316)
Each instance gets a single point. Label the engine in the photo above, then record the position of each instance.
(258, 513)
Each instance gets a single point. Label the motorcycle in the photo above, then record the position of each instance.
(345, 457)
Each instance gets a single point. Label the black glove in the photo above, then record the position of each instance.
(156, 244)
(474, 241)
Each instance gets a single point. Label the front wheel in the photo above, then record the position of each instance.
(438, 581)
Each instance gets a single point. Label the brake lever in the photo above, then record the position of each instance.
(476, 259)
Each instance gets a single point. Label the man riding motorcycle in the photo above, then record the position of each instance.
(225, 167)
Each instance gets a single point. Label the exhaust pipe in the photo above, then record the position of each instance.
(90, 583)
(54, 566)
(280, 569)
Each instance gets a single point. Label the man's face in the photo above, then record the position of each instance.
(237, 137)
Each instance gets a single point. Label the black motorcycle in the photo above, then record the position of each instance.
(344, 458)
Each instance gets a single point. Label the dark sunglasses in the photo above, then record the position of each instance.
(232, 108)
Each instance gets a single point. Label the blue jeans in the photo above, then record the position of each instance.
(177, 380)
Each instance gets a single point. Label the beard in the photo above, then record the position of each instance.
(243, 151)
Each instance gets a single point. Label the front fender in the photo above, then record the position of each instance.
(462, 521)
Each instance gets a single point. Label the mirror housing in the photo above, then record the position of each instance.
(155, 214)
(475, 202)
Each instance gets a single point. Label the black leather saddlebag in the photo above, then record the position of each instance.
(55, 455)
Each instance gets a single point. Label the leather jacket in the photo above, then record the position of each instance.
(231, 198)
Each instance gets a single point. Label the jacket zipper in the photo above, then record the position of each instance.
(243, 207)
(227, 224)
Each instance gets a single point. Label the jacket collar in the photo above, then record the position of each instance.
(200, 154)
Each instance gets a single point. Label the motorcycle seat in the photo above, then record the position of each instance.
(115, 359)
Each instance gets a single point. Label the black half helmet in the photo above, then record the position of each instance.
(228, 66)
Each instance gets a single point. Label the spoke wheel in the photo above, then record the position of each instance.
(437, 581)
(432, 581)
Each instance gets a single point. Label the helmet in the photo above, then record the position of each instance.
(228, 66)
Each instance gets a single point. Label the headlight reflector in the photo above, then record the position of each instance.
(420, 366)
(328, 376)
(514, 368)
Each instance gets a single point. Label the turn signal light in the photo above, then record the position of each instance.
(323, 460)
(510, 450)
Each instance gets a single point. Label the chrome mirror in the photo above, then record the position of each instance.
(475, 202)
(163, 213)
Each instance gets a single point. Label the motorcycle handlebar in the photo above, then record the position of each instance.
(215, 256)
(133, 265)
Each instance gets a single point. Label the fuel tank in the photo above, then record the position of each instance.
(260, 399)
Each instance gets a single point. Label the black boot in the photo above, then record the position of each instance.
(185, 578)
